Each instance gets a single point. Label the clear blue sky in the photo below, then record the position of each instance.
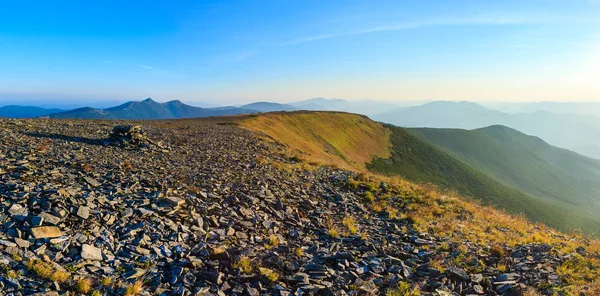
(285, 50)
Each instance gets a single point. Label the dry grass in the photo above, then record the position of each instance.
(134, 289)
(83, 285)
(106, 282)
(332, 229)
(404, 289)
(269, 274)
(244, 264)
(273, 242)
(345, 140)
(299, 252)
(45, 271)
(351, 225)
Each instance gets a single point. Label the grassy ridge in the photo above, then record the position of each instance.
(341, 139)
(419, 161)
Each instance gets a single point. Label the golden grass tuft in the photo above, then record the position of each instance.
(404, 289)
(83, 285)
(350, 224)
(134, 289)
(244, 264)
(106, 282)
(269, 274)
(45, 271)
(299, 252)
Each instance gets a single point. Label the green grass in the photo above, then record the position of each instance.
(417, 160)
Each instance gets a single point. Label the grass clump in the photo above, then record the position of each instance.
(350, 224)
(497, 251)
(333, 232)
(244, 264)
(134, 289)
(269, 274)
(106, 281)
(368, 197)
(273, 242)
(45, 271)
(404, 289)
(83, 285)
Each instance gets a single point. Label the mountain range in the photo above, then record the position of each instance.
(576, 132)
(150, 109)
(16, 111)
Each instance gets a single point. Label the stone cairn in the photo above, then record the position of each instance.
(129, 136)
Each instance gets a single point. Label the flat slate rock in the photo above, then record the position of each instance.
(46, 232)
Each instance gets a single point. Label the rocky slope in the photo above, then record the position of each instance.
(199, 207)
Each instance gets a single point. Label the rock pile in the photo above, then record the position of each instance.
(129, 136)
(215, 216)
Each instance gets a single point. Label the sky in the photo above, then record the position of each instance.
(231, 52)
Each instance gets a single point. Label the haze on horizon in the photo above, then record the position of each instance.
(232, 53)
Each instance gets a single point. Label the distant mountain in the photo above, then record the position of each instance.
(150, 109)
(365, 107)
(268, 107)
(575, 132)
(15, 111)
(589, 108)
(524, 162)
(442, 114)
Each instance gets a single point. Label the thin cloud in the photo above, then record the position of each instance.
(242, 56)
(146, 67)
(483, 20)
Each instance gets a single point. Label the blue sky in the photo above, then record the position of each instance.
(286, 50)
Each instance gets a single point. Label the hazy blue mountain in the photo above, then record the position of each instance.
(15, 111)
(150, 109)
(443, 114)
(523, 162)
(589, 108)
(364, 107)
(575, 132)
(268, 107)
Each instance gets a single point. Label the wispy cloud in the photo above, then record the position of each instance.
(481, 20)
(242, 56)
(146, 67)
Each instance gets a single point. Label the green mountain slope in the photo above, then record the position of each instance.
(418, 160)
(524, 162)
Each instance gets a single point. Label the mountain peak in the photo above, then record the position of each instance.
(148, 100)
